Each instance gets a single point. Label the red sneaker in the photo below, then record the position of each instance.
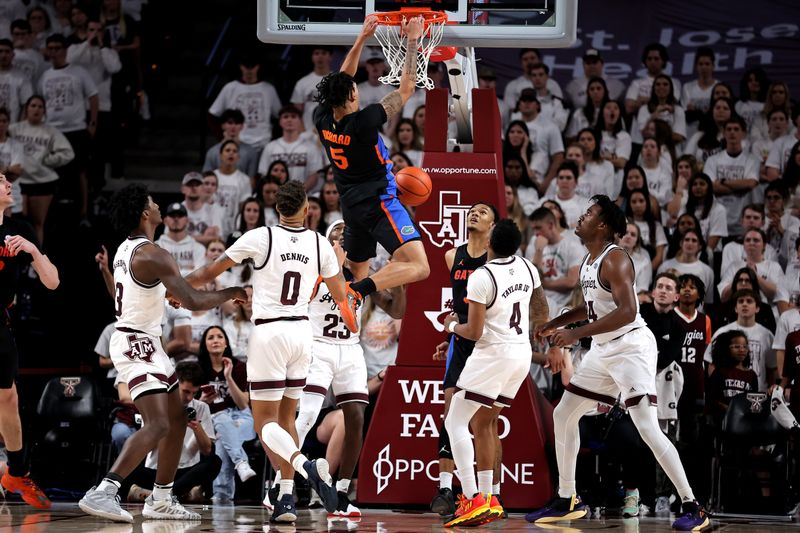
(470, 511)
(349, 307)
(27, 489)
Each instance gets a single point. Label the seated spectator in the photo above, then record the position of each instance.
(782, 226)
(279, 170)
(330, 197)
(550, 104)
(709, 139)
(27, 58)
(687, 261)
(686, 222)
(792, 273)
(315, 219)
(517, 143)
(516, 175)
(732, 373)
(615, 144)
(576, 91)
(752, 95)
(655, 59)
(587, 115)
(228, 399)
(791, 174)
(759, 339)
(685, 168)
(529, 58)
(544, 149)
(41, 27)
(659, 176)
(256, 100)
(301, 154)
(45, 149)
(515, 210)
(399, 161)
(405, 138)
(752, 218)
(558, 259)
(198, 464)
(636, 178)
(250, 216)
(770, 273)
(187, 252)
(652, 232)
(598, 175)
(125, 412)
(783, 148)
(205, 219)
(104, 355)
(267, 195)
(17, 87)
(632, 243)
(663, 105)
(745, 279)
(777, 98)
(233, 185)
(696, 94)
(699, 201)
(232, 122)
(214, 249)
(238, 326)
(761, 149)
(571, 203)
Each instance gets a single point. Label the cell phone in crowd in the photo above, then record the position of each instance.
(191, 413)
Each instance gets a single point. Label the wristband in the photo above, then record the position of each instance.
(452, 327)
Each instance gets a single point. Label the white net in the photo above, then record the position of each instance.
(395, 48)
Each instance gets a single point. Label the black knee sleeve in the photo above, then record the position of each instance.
(445, 452)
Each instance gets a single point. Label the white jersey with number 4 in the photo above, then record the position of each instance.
(287, 262)
(138, 305)
(598, 298)
(505, 285)
(326, 319)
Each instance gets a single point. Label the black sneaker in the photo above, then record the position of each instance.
(345, 509)
(284, 510)
(559, 509)
(444, 503)
(694, 518)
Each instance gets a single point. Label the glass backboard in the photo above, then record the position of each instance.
(473, 23)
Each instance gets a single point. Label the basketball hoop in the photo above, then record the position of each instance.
(394, 44)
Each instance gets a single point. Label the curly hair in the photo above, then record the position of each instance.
(126, 206)
(291, 197)
(505, 238)
(335, 89)
(611, 215)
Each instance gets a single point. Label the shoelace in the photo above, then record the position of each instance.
(631, 501)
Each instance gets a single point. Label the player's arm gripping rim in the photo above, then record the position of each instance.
(617, 273)
(393, 102)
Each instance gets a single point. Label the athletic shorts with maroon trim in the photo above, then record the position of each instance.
(381, 220)
(141, 362)
(493, 374)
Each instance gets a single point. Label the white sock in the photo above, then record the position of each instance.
(446, 480)
(457, 424)
(644, 418)
(287, 487)
(496, 489)
(485, 481)
(162, 492)
(310, 406)
(565, 419)
(343, 485)
(106, 483)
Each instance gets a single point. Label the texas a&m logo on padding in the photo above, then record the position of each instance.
(452, 224)
(141, 348)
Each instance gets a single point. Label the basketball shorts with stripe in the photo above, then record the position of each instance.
(376, 220)
(492, 375)
(340, 366)
(278, 358)
(142, 363)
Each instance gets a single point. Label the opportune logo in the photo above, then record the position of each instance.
(452, 224)
(384, 468)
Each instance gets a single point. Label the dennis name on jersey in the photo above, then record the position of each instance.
(292, 256)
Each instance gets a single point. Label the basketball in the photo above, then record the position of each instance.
(413, 186)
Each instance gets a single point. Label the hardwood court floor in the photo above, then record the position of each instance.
(67, 518)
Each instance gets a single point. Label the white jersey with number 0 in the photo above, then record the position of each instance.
(287, 262)
(598, 298)
(505, 286)
(138, 305)
(326, 319)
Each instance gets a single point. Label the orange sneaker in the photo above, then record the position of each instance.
(27, 489)
(349, 307)
(469, 511)
(496, 512)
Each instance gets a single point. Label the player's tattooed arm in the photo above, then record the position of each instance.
(392, 103)
(539, 309)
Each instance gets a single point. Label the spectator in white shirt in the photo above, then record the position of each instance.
(545, 140)
(187, 252)
(372, 91)
(700, 202)
(615, 143)
(257, 100)
(752, 95)
(267, 194)
(15, 88)
(487, 79)
(653, 236)
(571, 203)
(598, 175)
(752, 218)
(734, 173)
(205, 220)
(662, 105)
(635, 178)
(782, 228)
(777, 98)
(587, 115)
(655, 59)
(406, 139)
(709, 139)
(301, 154)
(576, 89)
(632, 242)
(232, 121)
(27, 59)
(782, 147)
(687, 261)
(550, 106)
(659, 177)
(233, 185)
(304, 93)
(516, 175)
(761, 149)
(528, 58)
(696, 95)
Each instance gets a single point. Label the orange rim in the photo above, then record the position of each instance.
(395, 18)
(443, 53)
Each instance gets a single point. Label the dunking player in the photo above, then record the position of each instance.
(288, 260)
(143, 272)
(17, 250)
(502, 294)
(622, 360)
(461, 262)
(361, 170)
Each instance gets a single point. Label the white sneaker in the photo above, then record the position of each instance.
(244, 471)
(662, 505)
(167, 510)
(105, 504)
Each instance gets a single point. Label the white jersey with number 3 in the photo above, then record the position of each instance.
(598, 297)
(287, 262)
(505, 286)
(138, 305)
(326, 319)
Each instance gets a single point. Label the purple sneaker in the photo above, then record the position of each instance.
(694, 518)
(559, 509)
